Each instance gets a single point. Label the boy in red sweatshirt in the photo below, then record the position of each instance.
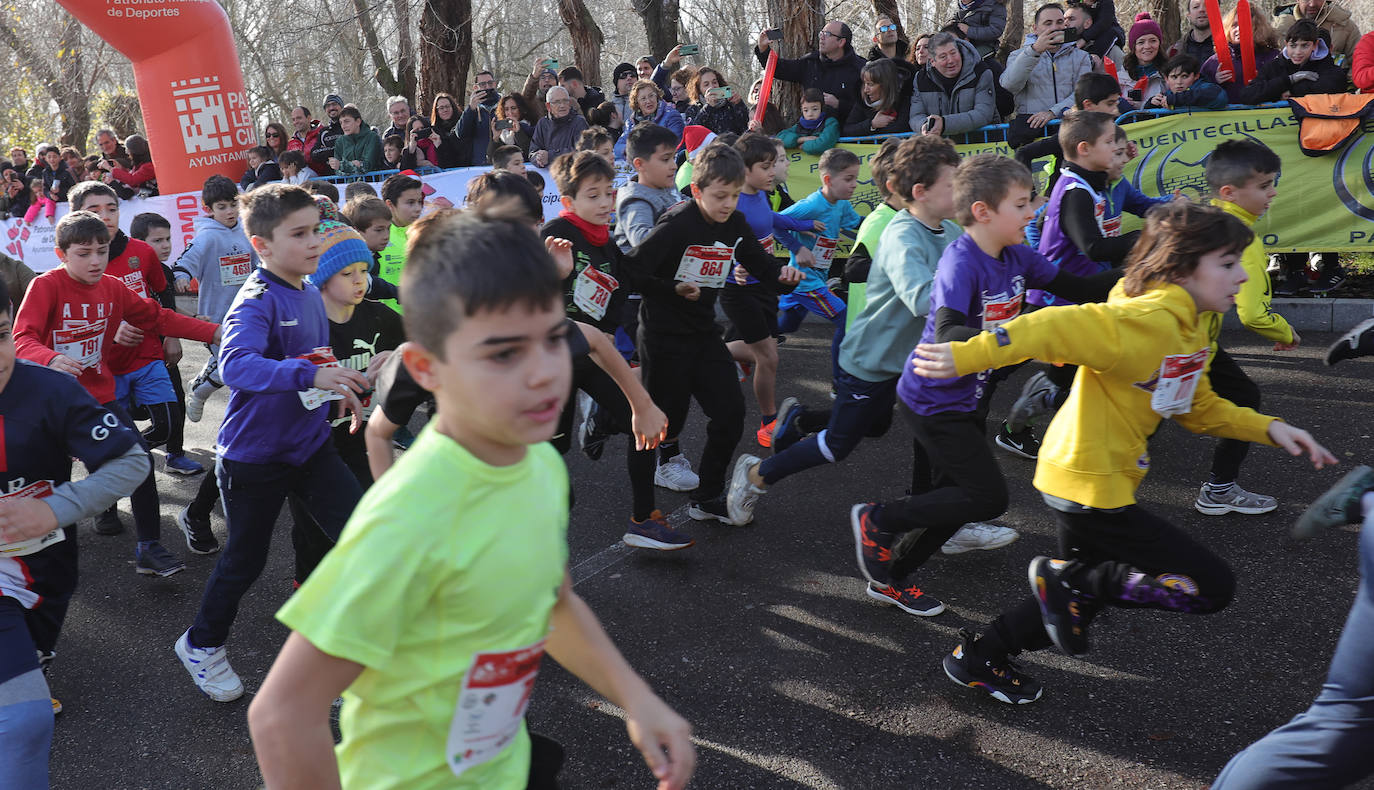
(68, 320)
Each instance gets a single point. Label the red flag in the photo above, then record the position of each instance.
(1219, 43)
(1247, 40)
(1110, 68)
(766, 89)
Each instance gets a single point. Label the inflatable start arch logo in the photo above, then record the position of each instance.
(189, 82)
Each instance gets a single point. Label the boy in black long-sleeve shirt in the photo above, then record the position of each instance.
(680, 268)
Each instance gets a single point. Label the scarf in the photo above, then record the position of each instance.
(597, 235)
(811, 126)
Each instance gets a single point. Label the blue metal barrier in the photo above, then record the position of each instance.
(379, 175)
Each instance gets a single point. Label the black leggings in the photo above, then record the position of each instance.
(616, 414)
(1230, 382)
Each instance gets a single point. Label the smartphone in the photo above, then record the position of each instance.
(689, 49)
(504, 124)
(1072, 34)
(727, 92)
(1134, 94)
(551, 63)
(774, 34)
(929, 125)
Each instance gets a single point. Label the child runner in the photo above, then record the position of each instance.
(369, 216)
(482, 603)
(46, 419)
(860, 260)
(1142, 356)
(275, 436)
(679, 268)
(405, 196)
(69, 318)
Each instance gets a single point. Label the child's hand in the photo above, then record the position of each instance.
(561, 250)
(66, 364)
(687, 291)
(1297, 341)
(806, 258)
(649, 426)
(375, 366)
(1132, 150)
(935, 361)
(171, 350)
(1297, 441)
(664, 739)
(790, 275)
(1159, 100)
(1224, 76)
(817, 226)
(805, 139)
(344, 381)
(128, 334)
(25, 518)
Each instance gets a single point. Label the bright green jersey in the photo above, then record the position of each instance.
(869, 233)
(391, 261)
(441, 587)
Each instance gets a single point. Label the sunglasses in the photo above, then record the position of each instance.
(273, 134)
(887, 28)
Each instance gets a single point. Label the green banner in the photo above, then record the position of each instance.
(1324, 203)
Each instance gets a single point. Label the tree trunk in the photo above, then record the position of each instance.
(1016, 29)
(587, 38)
(1166, 13)
(68, 85)
(801, 21)
(405, 52)
(661, 22)
(888, 8)
(445, 50)
(381, 70)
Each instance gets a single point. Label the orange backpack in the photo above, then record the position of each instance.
(1327, 120)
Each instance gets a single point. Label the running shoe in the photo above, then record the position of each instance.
(765, 434)
(676, 474)
(1291, 284)
(108, 523)
(711, 510)
(909, 599)
(743, 495)
(1340, 504)
(1003, 681)
(872, 546)
(1062, 608)
(979, 536)
(787, 427)
(1327, 282)
(45, 664)
(1232, 499)
(156, 560)
(200, 391)
(1036, 400)
(1022, 443)
(209, 668)
(1358, 342)
(181, 465)
(654, 533)
(200, 538)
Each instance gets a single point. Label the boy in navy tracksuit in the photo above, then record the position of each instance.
(275, 439)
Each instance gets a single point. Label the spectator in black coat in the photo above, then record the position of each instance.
(474, 128)
(832, 68)
(885, 101)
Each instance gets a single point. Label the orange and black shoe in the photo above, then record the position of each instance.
(872, 546)
(1003, 681)
(911, 600)
(765, 434)
(1065, 610)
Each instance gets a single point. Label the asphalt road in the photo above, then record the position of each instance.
(763, 638)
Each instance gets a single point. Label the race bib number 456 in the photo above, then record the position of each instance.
(704, 266)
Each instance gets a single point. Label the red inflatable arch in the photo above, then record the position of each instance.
(189, 82)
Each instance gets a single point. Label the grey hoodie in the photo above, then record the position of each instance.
(1045, 82)
(637, 209)
(215, 257)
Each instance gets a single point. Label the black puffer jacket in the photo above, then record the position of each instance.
(840, 78)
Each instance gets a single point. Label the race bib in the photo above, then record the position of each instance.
(134, 282)
(23, 548)
(234, 269)
(997, 313)
(313, 398)
(1112, 227)
(706, 266)
(592, 292)
(82, 342)
(1178, 377)
(496, 691)
(824, 252)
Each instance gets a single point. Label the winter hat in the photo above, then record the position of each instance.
(695, 138)
(1144, 26)
(549, 72)
(333, 97)
(623, 70)
(340, 247)
(328, 211)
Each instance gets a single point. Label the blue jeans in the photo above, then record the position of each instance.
(253, 495)
(26, 719)
(1328, 744)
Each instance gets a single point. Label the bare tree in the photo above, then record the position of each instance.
(801, 21)
(68, 84)
(382, 72)
(661, 20)
(1166, 13)
(1016, 29)
(587, 38)
(405, 51)
(445, 49)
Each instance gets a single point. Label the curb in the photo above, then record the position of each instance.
(1315, 314)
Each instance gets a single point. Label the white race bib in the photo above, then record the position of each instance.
(706, 266)
(81, 342)
(24, 548)
(134, 282)
(313, 398)
(997, 313)
(496, 691)
(234, 269)
(824, 252)
(592, 292)
(1178, 377)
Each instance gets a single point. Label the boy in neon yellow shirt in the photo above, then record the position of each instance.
(405, 196)
(450, 581)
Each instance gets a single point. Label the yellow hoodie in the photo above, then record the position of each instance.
(1253, 303)
(1095, 452)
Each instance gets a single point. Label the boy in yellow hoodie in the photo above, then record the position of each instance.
(1143, 357)
(1242, 175)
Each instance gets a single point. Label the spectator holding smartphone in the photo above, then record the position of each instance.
(422, 144)
(513, 125)
(443, 117)
(833, 67)
(715, 104)
(474, 128)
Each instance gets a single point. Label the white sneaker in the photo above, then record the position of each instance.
(209, 668)
(979, 536)
(195, 407)
(743, 495)
(676, 474)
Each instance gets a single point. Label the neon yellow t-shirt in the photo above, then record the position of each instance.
(391, 261)
(441, 587)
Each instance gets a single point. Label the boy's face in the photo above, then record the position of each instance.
(1301, 51)
(294, 246)
(1216, 281)
(516, 164)
(606, 151)
(1119, 160)
(657, 171)
(254, 160)
(105, 207)
(1110, 105)
(594, 201)
(840, 186)
(225, 212)
(6, 348)
(811, 110)
(503, 380)
(407, 207)
(938, 198)
(1099, 154)
(780, 167)
(393, 153)
(377, 235)
(760, 176)
(1006, 222)
(1255, 194)
(717, 200)
(85, 262)
(52, 156)
(160, 239)
(1179, 80)
(348, 286)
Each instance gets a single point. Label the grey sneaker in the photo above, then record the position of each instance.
(1340, 504)
(979, 536)
(1233, 500)
(156, 560)
(676, 474)
(1036, 400)
(743, 495)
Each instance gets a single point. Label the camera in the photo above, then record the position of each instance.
(504, 124)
